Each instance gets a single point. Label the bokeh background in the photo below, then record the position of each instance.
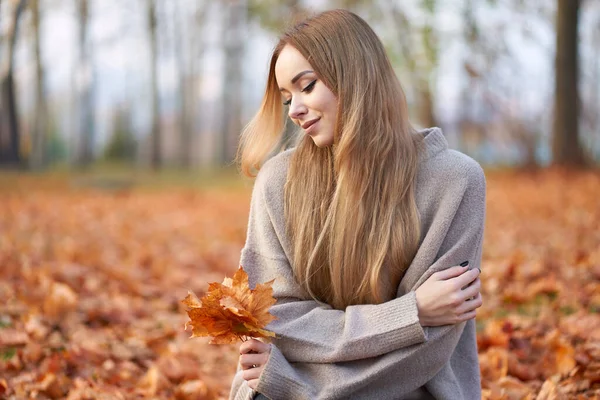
(119, 123)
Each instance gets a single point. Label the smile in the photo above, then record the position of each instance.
(308, 124)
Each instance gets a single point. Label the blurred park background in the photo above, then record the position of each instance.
(119, 123)
(164, 83)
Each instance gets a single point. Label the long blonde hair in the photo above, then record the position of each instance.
(350, 208)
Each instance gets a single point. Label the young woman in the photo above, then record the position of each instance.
(363, 226)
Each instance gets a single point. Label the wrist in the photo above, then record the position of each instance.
(419, 309)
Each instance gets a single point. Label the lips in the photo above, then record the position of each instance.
(308, 124)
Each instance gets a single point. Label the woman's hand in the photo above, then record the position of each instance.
(449, 297)
(253, 357)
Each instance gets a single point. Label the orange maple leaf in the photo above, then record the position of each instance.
(231, 311)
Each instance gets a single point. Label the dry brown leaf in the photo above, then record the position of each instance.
(36, 327)
(560, 358)
(493, 364)
(61, 299)
(3, 386)
(574, 384)
(582, 326)
(179, 368)
(514, 389)
(550, 391)
(192, 390)
(231, 311)
(13, 337)
(592, 372)
(152, 382)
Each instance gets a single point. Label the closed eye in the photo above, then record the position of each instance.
(309, 87)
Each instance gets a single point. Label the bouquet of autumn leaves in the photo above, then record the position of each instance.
(231, 311)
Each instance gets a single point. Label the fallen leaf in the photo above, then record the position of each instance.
(60, 300)
(13, 337)
(550, 391)
(231, 311)
(513, 388)
(493, 364)
(152, 382)
(192, 390)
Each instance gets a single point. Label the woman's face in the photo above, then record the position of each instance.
(312, 105)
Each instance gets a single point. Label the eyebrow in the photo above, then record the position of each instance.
(298, 76)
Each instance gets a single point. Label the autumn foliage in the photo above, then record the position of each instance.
(231, 311)
(91, 282)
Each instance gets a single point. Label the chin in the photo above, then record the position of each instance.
(322, 142)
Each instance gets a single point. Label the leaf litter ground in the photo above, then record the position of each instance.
(91, 283)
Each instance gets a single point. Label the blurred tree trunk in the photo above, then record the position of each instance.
(85, 151)
(566, 148)
(594, 104)
(155, 136)
(421, 68)
(9, 124)
(480, 96)
(234, 25)
(38, 157)
(188, 75)
(185, 134)
(197, 46)
(427, 79)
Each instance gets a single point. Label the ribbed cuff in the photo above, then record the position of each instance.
(277, 379)
(240, 389)
(400, 326)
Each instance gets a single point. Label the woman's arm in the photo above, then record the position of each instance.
(314, 332)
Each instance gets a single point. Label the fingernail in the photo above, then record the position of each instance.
(464, 263)
(479, 270)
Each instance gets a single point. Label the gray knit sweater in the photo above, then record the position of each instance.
(371, 351)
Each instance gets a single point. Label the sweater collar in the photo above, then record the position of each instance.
(433, 142)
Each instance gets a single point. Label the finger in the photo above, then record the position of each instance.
(470, 284)
(468, 315)
(449, 273)
(253, 384)
(253, 345)
(248, 360)
(253, 373)
(471, 290)
(470, 305)
(465, 279)
(248, 346)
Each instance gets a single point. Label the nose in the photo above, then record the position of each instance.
(297, 108)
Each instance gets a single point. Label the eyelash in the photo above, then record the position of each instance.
(307, 89)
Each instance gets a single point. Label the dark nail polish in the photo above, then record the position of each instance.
(464, 263)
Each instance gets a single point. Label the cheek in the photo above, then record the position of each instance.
(332, 104)
(326, 102)
(329, 105)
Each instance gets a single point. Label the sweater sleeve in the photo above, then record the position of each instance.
(313, 332)
(310, 331)
(411, 365)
